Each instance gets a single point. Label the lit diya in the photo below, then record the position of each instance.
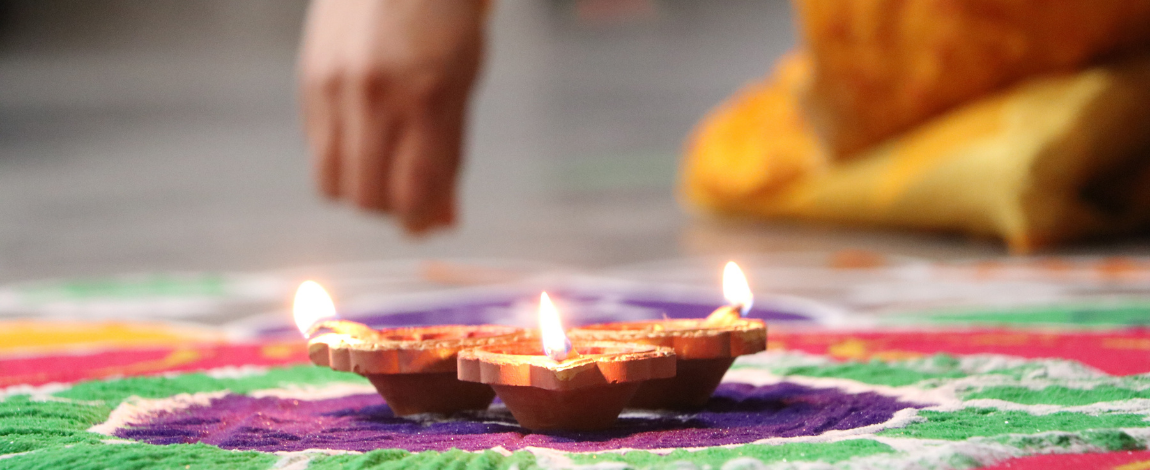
(704, 348)
(414, 369)
(560, 385)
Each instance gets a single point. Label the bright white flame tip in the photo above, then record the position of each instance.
(736, 289)
(556, 345)
(312, 305)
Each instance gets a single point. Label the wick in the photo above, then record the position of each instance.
(723, 316)
(560, 354)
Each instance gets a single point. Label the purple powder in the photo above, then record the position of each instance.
(738, 413)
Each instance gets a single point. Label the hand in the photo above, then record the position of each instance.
(385, 87)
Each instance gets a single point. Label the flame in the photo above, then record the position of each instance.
(312, 305)
(735, 288)
(555, 342)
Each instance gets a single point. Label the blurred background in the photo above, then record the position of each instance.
(164, 135)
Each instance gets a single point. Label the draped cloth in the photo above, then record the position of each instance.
(1051, 159)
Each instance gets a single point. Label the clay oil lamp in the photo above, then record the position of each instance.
(414, 369)
(704, 348)
(550, 383)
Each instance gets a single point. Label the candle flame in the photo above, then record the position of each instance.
(556, 345)
(736, 290)
(312, 305)
(738, 295)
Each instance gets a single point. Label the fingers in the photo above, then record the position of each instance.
(322, 125)
(321, 87)
(426, 170)
(384, 93)
(368, 143)
(383, 157)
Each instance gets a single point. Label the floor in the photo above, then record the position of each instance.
(141, 136)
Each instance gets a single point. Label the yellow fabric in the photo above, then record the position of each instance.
(1054, 159)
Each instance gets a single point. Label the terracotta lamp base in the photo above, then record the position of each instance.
(442, 392)
(704, 353)
(584, 392)
(414, 369)
(585, 409)
(691, 387)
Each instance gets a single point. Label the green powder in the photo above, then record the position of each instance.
(1118, 315)
(112, 392)
(27, 425)
(1059, 395)
(141, 457)
(873, 372)
(1110, 440)
(152, 286)
(799, 451)
(971, 422)
(386, 459)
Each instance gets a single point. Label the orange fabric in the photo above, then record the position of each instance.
(881, 67)
(1052, 160)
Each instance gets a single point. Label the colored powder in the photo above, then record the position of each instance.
(971, 422)
(873, 372)
(152, 286)
(1115, 461)
(112, 392)
(1121, 315)
(1105, 439)
(1059, 395)
(827, 452)
(737, 414)
(27, 425)
(1112, 439)
(140, 457)
(26, 336)
(388, 459)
